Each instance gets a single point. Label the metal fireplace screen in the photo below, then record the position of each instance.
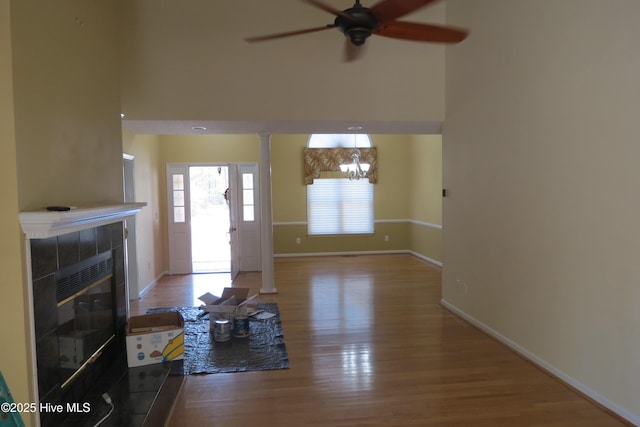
(85, 313)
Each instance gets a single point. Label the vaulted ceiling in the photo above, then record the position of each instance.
(186, 65)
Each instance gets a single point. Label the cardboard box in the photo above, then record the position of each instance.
(74, 349)
(155, 338)
(232, 303)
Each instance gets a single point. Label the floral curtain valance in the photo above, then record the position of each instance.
(317, 160)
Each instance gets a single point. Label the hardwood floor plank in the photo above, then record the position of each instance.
(370, 344)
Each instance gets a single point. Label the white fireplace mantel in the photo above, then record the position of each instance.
(43, 224)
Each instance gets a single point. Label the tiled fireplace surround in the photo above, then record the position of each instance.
(54, 254)
(55, 242)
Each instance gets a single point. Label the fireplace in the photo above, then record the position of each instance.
(79, 311)
(79, 300)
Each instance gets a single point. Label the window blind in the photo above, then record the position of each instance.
(340, 206)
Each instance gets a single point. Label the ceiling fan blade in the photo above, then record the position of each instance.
(352, 52)
(389, 10)
(287, 34)
(330, 9)
(422, 32)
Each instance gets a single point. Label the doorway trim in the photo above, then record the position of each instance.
(130, 247)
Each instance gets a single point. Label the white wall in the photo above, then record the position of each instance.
(541, 162)
(187, 60)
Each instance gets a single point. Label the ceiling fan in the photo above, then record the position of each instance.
(359, 22)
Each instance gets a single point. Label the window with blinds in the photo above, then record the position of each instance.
(337, 205)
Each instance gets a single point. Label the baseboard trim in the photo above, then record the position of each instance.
(397, 251)
(307, 254)
(152, 283)
(545, 366)
(426, 258)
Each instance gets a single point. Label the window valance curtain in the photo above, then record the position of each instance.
(317, 160)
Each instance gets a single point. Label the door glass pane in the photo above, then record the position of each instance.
(178, 198)
(178, 214)
(248, 211)
(247, 197)
(178, 181)
(247, 180)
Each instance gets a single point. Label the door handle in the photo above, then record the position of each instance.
(232, 229)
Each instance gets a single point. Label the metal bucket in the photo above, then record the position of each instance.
(221, 331)
(241, 327)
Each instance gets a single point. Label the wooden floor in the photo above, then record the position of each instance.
(370, 345)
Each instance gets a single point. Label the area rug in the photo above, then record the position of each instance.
(263, 349)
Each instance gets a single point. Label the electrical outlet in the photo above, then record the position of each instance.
(386, 237)
(298, 240)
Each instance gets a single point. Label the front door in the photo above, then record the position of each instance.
(244, 218)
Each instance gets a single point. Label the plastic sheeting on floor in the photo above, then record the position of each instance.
(263, 349)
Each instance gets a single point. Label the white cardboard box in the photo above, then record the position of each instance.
(217, 309)
(155, 338)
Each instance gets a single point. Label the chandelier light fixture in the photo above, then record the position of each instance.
(355, 170)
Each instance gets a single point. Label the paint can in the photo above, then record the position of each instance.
(241, 327)
(222, 331)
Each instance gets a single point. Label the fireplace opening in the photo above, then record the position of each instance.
(86, 324)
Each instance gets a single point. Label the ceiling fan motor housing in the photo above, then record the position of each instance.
(362, 23)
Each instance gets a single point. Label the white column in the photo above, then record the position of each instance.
(266, 238)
